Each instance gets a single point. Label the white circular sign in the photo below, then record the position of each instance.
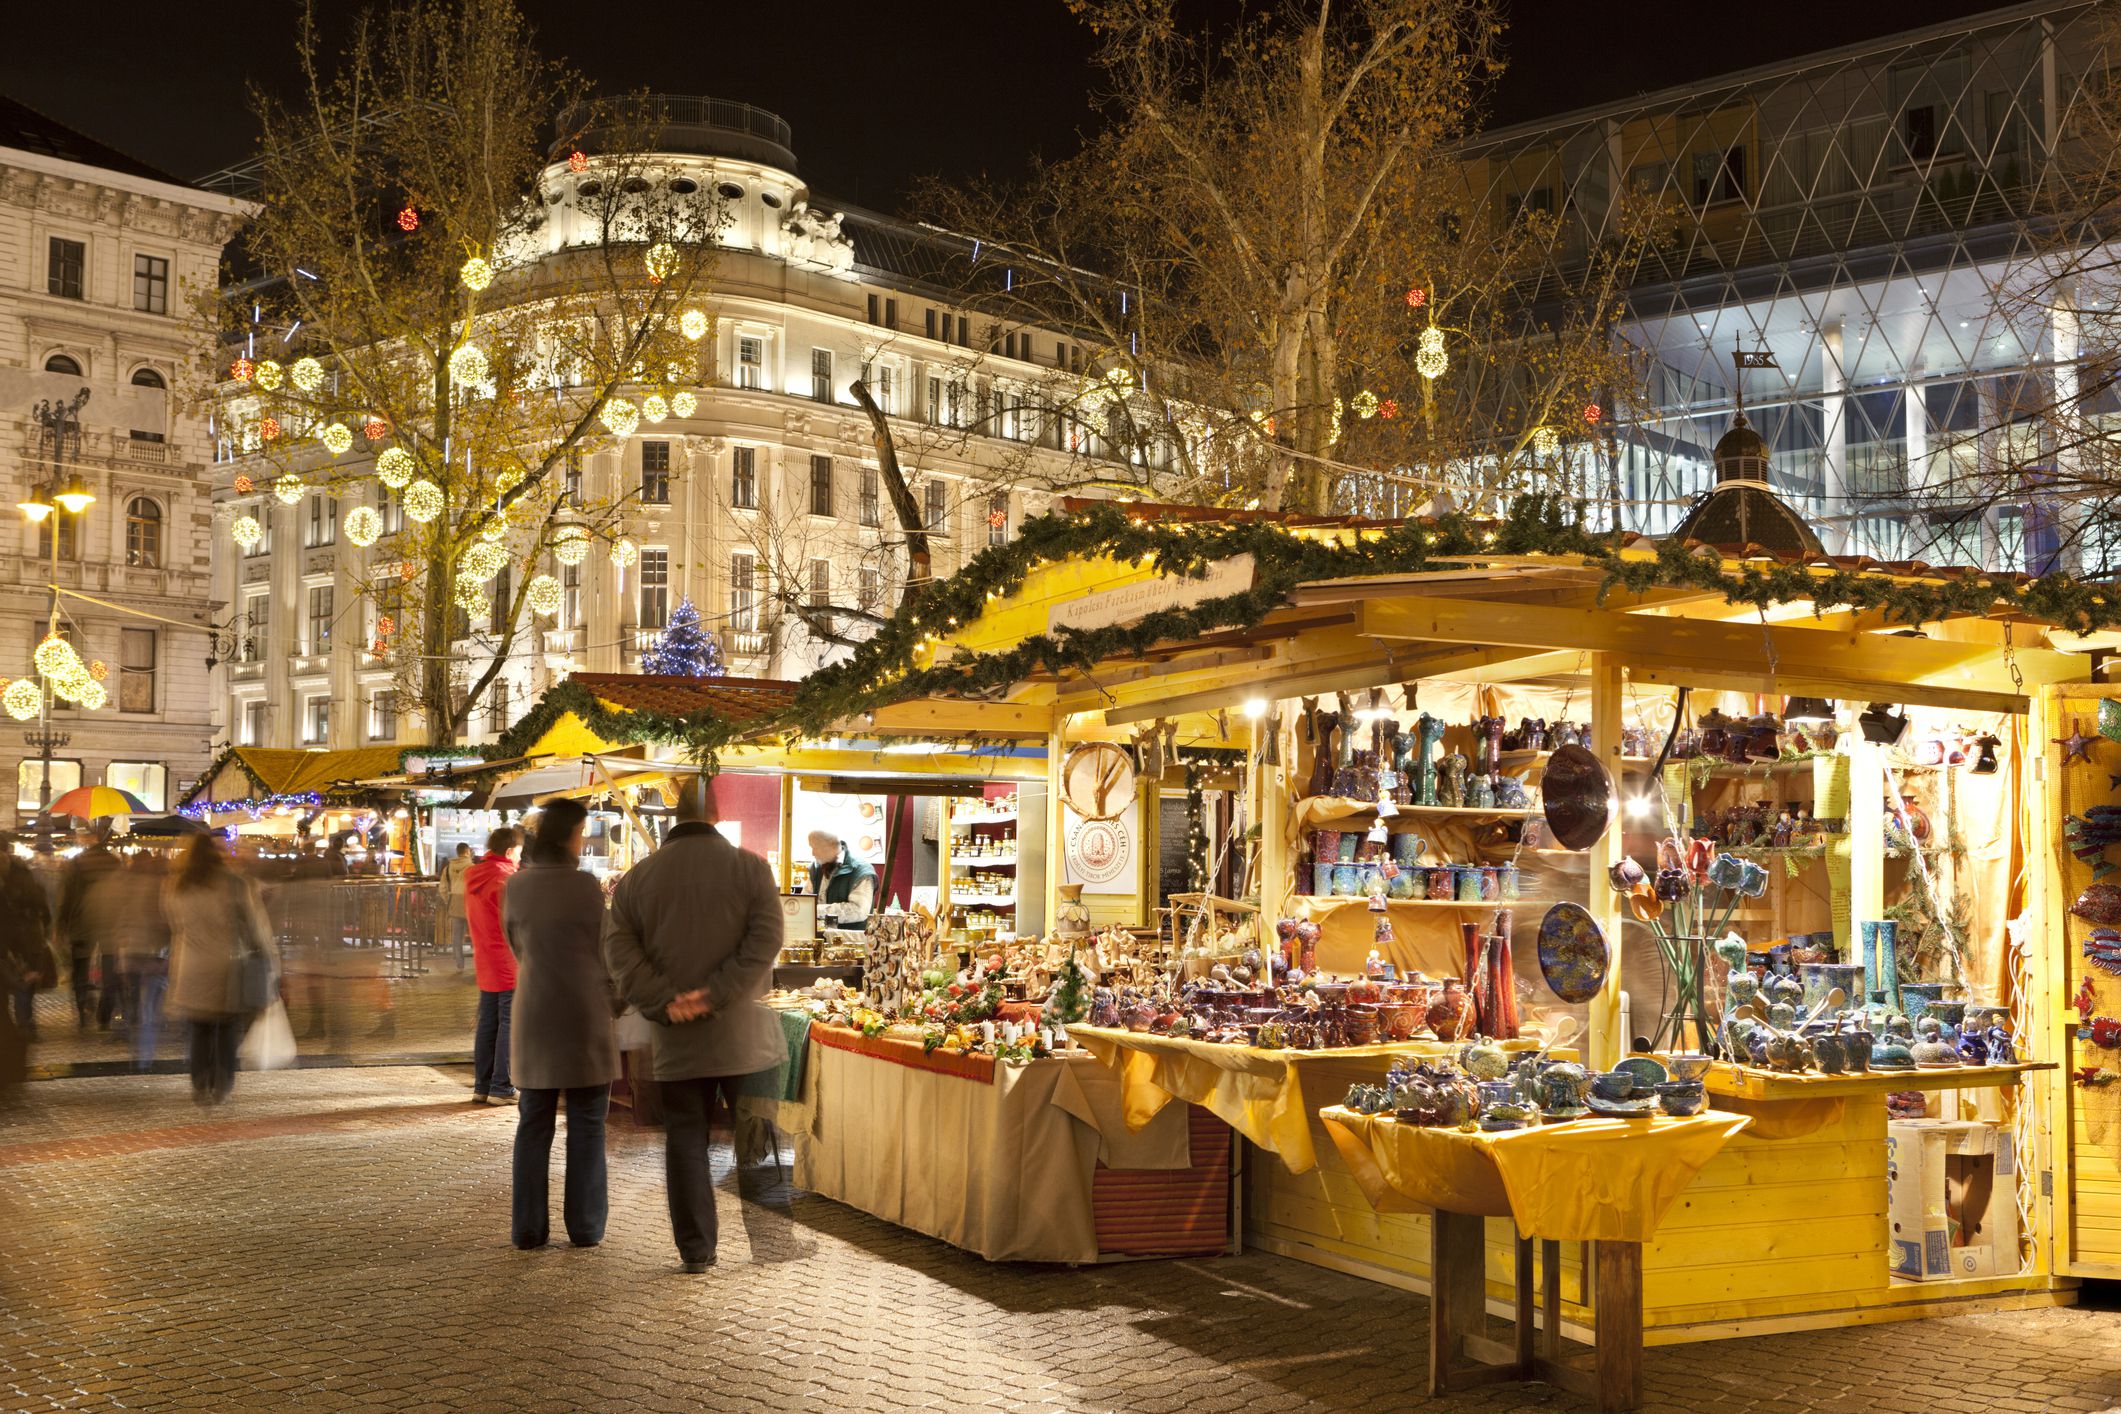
(1097, 852)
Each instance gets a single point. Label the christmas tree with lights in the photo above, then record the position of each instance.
(684, 649)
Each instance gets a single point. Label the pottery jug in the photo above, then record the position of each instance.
(1451, 1015)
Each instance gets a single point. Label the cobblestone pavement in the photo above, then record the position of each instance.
(338, 1239)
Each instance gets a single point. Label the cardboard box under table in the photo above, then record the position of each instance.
(1952, 1206)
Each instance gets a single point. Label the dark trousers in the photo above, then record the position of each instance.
(584, 1199)
(489, 1046)
(688, 1164)
(83, 958)
(213, 1055)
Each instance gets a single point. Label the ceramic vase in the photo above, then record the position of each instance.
(1821, 978)
(1451, 1014)
(1881, 966)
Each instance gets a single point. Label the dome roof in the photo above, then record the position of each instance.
(1743, 513)
(1742, 455)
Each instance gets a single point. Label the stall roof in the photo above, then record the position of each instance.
(736, 700)
(285, 772)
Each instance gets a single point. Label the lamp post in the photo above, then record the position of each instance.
(45, 503)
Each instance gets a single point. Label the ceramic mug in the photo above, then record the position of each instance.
(1406, 849)
(1466, 884)
(1322, 880)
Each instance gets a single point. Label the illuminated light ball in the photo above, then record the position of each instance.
(693, 324)
(72, 687)
(654, 408)
(470, 594)
(620, 417)
(1592, 412)
(1546, 442)
(662, 262)
(269, 429)
(408, 220)
(337, 439)
(570, 545)
(307, 374)
(375, 429)
(244, 485)
(363, 525)
(395, 467)
(578, 161)
(55, 657)
(92, 696)
(494, 528)
(1429, 358)
(675, 372)
(469, 364)
(1417, 297)
(423, 500)
(23, 697)
(543, 594)
(385, 625)
(508, 478)
(247, 532)
(99, 670)
(624, 552)
(242, 369)
(1365, 404)
(683, 404)
(482, 560)
(476, 273)
(287, 489)
(1388, 408)
(269, 375)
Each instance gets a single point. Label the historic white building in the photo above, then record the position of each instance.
(768, 494)
(97, 252)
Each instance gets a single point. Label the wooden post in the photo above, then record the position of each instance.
(1866, 831)
(945, 867)
(1526, 1294)
(1550, 1300)
(1605, 1043)
(1619, 1314)
(1457, 1295)
(1270, 796)
(1056, 819)
(787, 840)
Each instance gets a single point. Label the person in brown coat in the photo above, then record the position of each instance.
(223, 963)
(562, 1041)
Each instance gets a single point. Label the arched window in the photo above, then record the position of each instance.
(148, 378)
(62, 363)
(143, 533)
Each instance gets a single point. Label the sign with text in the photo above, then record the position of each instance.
(1100, 853)
(1130, 603)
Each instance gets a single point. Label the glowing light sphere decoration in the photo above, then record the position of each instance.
(469, 364)
(1388, 408)
(482, 560)
(654, 408)
(543, 595)
(242, 369)
(246, 532)
(469, 594)
(1592, 412)
(1430, 360)
(395, 467)
(23, 697)
(570, 545)
(683, 404)
(307, 374)
(508, 478)
(287, 489)
(1365, 404)
(56, 658)
(268, 375)
(269, 429)
(578, 161)
(662, 262)
(476, 273)
(619, 417)
(1546, 442)
(244, 485)
(375, 429)
(408, 220)
(363, 525)
(72, 687)
(693, 324)
(99, 670)
(1417, 297)
(92, 697)
(496, 527)
(423, 500)
(624, 552)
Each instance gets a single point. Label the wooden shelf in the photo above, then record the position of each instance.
(1747, 1082)
(1735, 770)
(1484, 812)
(1351, 810)
(1509, 758)
(1332, 904)
(958, 861)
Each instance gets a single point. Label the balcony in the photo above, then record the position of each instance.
(743, 642)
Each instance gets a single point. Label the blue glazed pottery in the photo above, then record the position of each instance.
(1681, 1098)
(1347, 881)
(1881, 966)
(1613, 1085)
(1511, 880)
(1322, 880)
(1350, 841)
(1821, 978)
(1915, 997)
(1465, 882)
(1406, 849)
(1401, 885)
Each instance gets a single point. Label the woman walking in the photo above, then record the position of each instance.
(563, 1041)
(224, 967)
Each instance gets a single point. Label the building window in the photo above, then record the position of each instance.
(65, 776)
(820, 486)
(870, 595)
(655, 473)
(930, 329)
(136, 677)
(881, 390)
(69, 265)
(391, 509)
(319, 640)
(574, 476)
(256, 642)
(151, 284)
(500, 612)
(655, 588)
(935, 507)
(149, 378)
(69, 530)
(875, 309)
(750, 361)
(146, 781)
(316, 720)
(871, 508)
(743, 592)
(497, 706)
(890, 313)
(383, 715)
(63, 363)
(998, 518)
(821, 375)
(323, 528)
(571, 595)
(821, 584)
(1719, 176)
(254, 722)
(744, 478)
(935, 400)
(143, 533)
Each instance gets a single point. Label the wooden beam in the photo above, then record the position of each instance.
(1605, 1043)
(1668, 673)
(948, 715)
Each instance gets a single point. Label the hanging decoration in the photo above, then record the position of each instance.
(496, 526)
(620, 417)
(1430, 360)
(1546, 442)
(99, 670)
(570, 545)
(375, 429)
(683, 404)
(476, 273)
(287, 490)
(482, 561)
(246, 532)
(578, 161)
(623, 553)
(244, 485)
(693, 324)
(423, 500)
(470, 594)
(241, 370)
(1365, 404)
(1592, 412)
(22, 698)
(269, 429)
(337, 438)
(654, 408)
(395, 467)
(307, 374)
(1388, 408)
(1417, 297)
(543, 595)
(269, 375)
(55, 657)
(508, 478)
(363, 524)
(408, 220)
(469, 365)
(662, 262)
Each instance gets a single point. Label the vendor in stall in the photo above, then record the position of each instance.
(845, 886)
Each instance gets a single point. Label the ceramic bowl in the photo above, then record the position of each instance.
(1647, 1072)
(1683, 1097)
(1688, 1065)
(1613, 1085)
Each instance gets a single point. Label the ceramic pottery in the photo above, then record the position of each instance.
(1562, 1087)
(1830, 1052)
(1322, 879)
(1347, 881)
(1451, 1014)
(1647, 1072)
(1950, 1015)
(1688, 1065)
(1731, 949)
(2100, 904)
(1856, 1046)
(1626, 875)
(1401, 885)
(1915, 997)
(1442, 881)
(1639, 1107)
(1480, 793)
(1577, 797)
(1612, 1085)
(1465, 883)
(1490, 881)
(1881, 967)
(1727, 871)
(1484, 1060)
(1510, 880)
(1510, 794)
(1821, 978)
(1680, 1098)
(1406, 849)
(1742, 988)
(1573, 956)
(1451, 780)
(1325, 845)
(1348, 846)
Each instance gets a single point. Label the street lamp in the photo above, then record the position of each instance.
(75, 497)
(40, 505)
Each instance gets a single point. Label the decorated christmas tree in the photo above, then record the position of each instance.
(684, 649)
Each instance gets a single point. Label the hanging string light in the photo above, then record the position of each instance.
(476, 273)
(654, 408)
(55, 657)
(268, 375)
(408, 220)
(242, 369)
(307, 374)
(1430, 360)
(423, 500)
(22, 698)
(623, 553)
(269, 429)
(693, 324)
(287, 489)
(469, 594)
(246, 532)
(662, 262)
(244, 485)
(543, 595)
(620, 417)
(482, 560)
(337, 438)
(1546, 442)
(570, 545)
(395, 467)
(91, 696)
(469, 364)
(363, 526)
(1365, 404)
(683, 404)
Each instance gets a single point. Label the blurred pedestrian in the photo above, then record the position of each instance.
(553, 914)
(223, 963)
(82, 911)
(453, 872)
(26, 963)
(142, 932)
(691, 939)
(494, 965)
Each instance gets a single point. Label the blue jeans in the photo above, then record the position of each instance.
(144, 1010)
(584, 1199)
(489, 1046)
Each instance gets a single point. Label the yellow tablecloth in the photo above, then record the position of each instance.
(1610, 1180)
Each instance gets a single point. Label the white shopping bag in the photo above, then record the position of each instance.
(270, 1042)
(633, 1031)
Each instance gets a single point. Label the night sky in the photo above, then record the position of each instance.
(878, 94)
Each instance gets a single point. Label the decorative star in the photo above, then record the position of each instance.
(2077, 746)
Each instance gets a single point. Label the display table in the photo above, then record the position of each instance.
(1607, 1182)
(1016, 1161)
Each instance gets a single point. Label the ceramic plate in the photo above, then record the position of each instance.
(1623, 1109)
(1576, 793)
(1572, 952)
(1646, 1071)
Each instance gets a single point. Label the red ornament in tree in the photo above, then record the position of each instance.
(240, 370)
(269, 428)
(578, 161)
(244, 485)
(408, 220)
(998, 519)
(385, 625)
(1592, 412)
(1388, 408)
(375, 429)
(1417, 297)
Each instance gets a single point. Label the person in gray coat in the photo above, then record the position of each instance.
(691, 940)
(561, 1038)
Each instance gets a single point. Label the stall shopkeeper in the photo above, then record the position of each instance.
(845, 886)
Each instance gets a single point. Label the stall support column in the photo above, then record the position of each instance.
(945, 868)
(1270, 807)
(1866, 834)
(1056, 820)
(787, 843)
(1606, 1043)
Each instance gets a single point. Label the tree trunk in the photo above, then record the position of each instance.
(919, 570)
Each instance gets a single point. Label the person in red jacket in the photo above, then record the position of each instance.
(495, 966)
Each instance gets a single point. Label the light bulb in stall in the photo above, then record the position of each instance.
(1641, 807)
(1255, 707)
